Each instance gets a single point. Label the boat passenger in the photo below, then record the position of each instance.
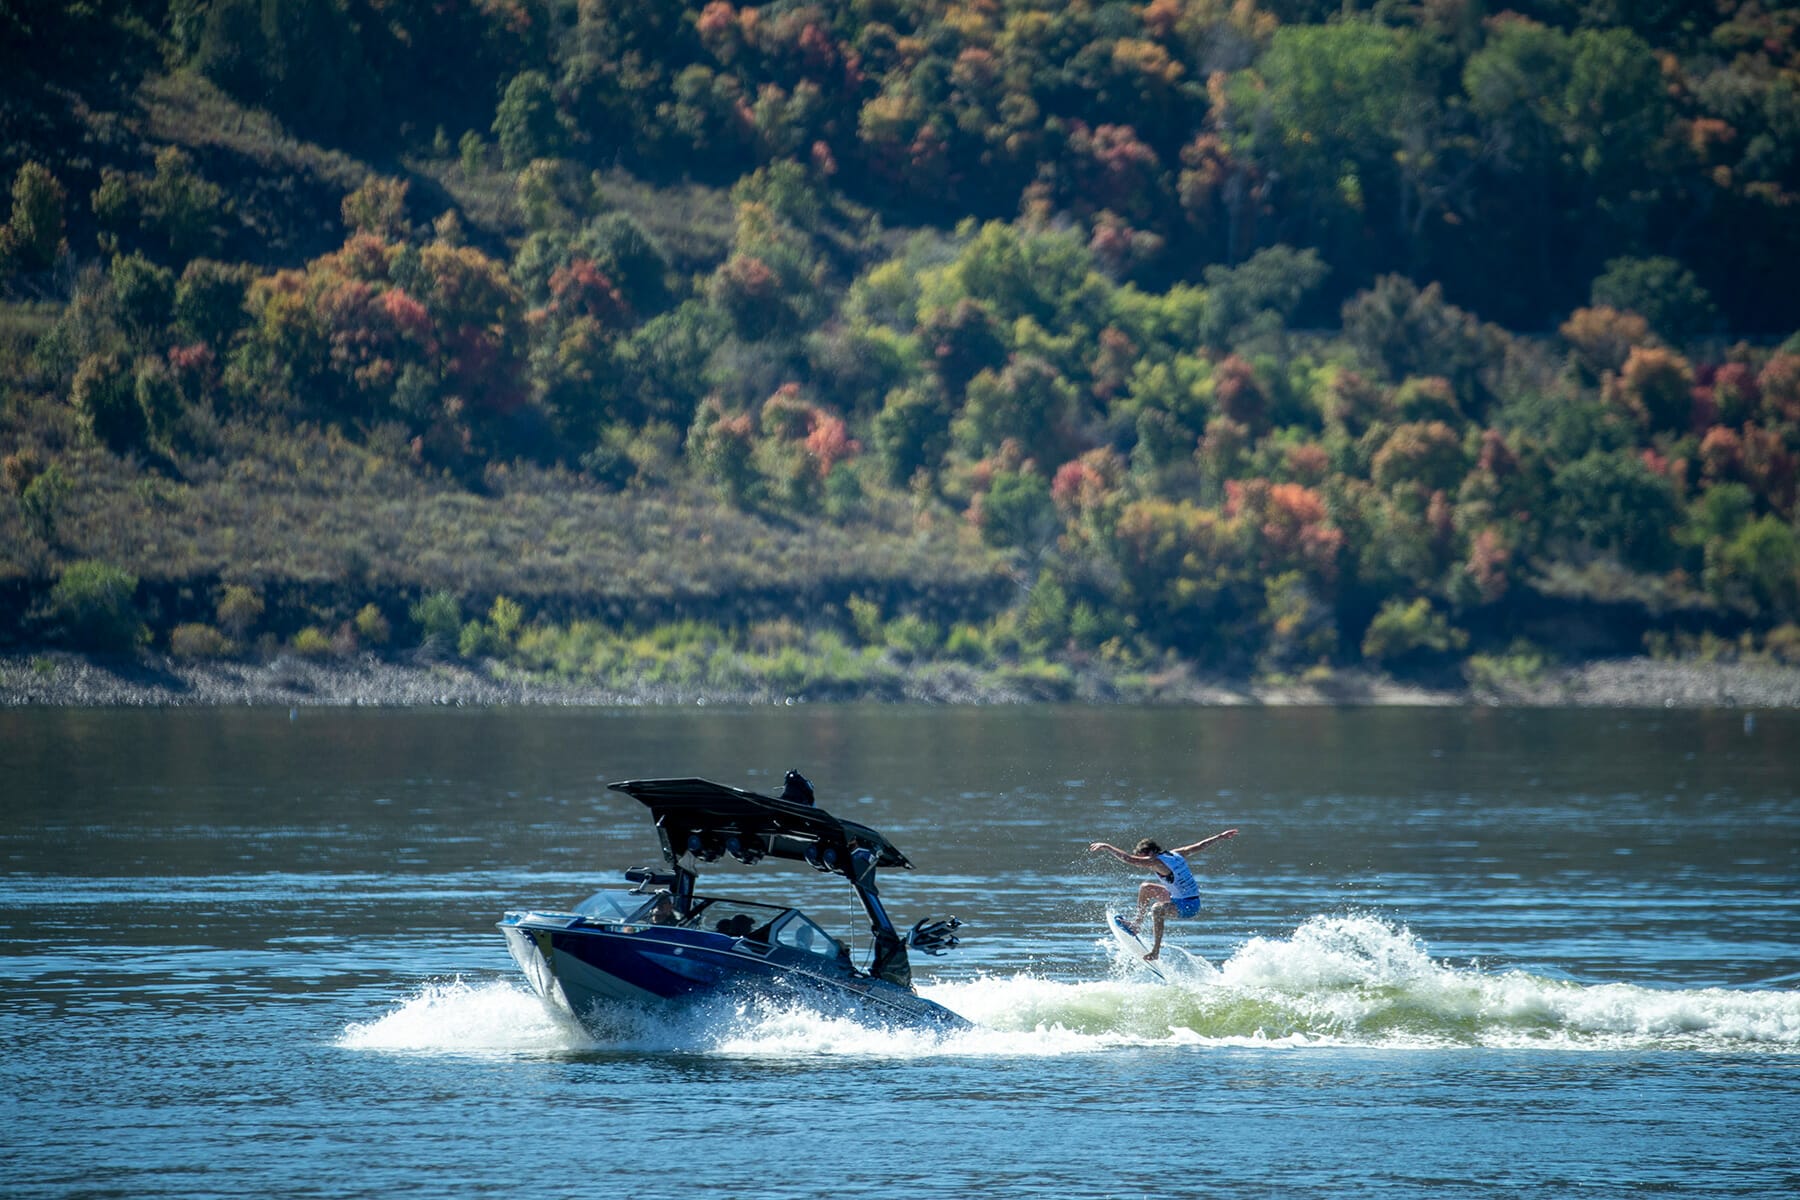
(797, 787)
(662, 912)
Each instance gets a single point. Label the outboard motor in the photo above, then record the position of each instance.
(797, 788)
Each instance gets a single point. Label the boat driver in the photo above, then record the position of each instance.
(662, 910)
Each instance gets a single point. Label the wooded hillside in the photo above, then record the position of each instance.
(812, 343)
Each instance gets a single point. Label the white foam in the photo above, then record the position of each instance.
(456, 1017)
(1336, 981)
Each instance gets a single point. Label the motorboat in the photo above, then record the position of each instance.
(661, 941)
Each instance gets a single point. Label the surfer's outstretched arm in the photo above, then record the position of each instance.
(1124, 856)
(1203, 843)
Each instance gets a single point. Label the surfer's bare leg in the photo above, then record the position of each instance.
(1161, 912)
(1148, 894)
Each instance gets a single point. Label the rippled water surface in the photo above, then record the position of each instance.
(1451, 954)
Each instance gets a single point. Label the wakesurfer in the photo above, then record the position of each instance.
(1175, 891)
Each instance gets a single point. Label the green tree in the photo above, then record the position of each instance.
(33, 238)
(1259, 295)
(145, 293)
(723, 446)
(1017, 510)
(1763, 557)
(1428, 453)
(181, 205)
(1614, 110)
(1612, 502)
(912, 432)
(631, 258)
(209, 302)
(1334, 97)
(105, 398)
(158, 398)
(962, 341)
(1029, 401)
(1407, 331)
(1299, 627)
(526, 123)
(1663, 292)
(472, 153)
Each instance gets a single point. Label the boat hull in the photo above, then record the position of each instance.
(578, 966)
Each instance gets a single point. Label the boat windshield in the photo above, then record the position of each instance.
(766, 923)
(734, 918)
(795, 931)
(611, 908)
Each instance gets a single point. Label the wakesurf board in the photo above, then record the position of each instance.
(1133, 948)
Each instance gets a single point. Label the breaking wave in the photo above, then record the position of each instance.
(1350, 981)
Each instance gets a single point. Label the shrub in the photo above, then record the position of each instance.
(239, 609)
(865, 617)
(967, 644)
(439, 618)
(475, 641)
(311, 642)
(42, 500)
(1521, 664)
(371, 626)
(504, 618)
(1041, 679)
(1783, 643)
(911, 636)
(200, 641)
(1401, 628)
(19, 469)
(93, 603)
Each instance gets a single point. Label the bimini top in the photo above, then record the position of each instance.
(710, 819)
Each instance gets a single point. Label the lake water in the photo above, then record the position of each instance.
(1465, 953)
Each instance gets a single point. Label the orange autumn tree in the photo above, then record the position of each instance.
(432, 337)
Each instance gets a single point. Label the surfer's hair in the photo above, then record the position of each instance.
(1148, 846)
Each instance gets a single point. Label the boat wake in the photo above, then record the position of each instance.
(1350, 981)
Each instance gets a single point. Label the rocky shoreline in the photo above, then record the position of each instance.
(57, 679)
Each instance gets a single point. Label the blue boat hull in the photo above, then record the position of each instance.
(579, 965)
